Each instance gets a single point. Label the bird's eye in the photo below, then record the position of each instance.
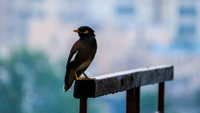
(86, 32)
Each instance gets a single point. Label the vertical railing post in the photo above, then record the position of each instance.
(130, 101)
(83, 105)
(133, 100)
(137, 99)
(161, 98)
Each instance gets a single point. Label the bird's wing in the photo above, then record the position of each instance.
(73, 53)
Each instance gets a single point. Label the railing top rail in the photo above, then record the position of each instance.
(121, 81)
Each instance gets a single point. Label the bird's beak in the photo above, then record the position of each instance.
(76, 30)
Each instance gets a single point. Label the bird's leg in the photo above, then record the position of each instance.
(85, 75)
(78, 78)
(76, 75)
(87, 78)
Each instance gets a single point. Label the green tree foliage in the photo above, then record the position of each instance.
(198, 97)
(148, 102)
(29, 84)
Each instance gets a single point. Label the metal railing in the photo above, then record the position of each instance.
(129, 81)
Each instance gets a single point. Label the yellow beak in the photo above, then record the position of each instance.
(76, 30)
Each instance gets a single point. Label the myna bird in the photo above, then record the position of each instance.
(81, 55)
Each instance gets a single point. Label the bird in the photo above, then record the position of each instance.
(80, 57)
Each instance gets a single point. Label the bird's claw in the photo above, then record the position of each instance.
(85, 78)
(90, 78)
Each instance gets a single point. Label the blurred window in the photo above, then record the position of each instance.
(24, 14)
(188, 11)
(187, 29)
(125, 10)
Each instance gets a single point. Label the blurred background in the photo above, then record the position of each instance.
(36, 37)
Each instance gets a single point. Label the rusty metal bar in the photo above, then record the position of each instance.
(83, 105)
(129, 81)
(130, 101)
(137, 99)
(122, 81)
(133, 100)
(161, 99)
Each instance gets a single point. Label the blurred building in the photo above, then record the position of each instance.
(187, 25)
(15, 16)
(173, 20)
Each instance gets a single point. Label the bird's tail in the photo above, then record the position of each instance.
(69, 79)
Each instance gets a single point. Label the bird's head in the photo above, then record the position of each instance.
(85, 31)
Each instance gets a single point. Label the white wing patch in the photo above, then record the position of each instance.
(74, 56)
